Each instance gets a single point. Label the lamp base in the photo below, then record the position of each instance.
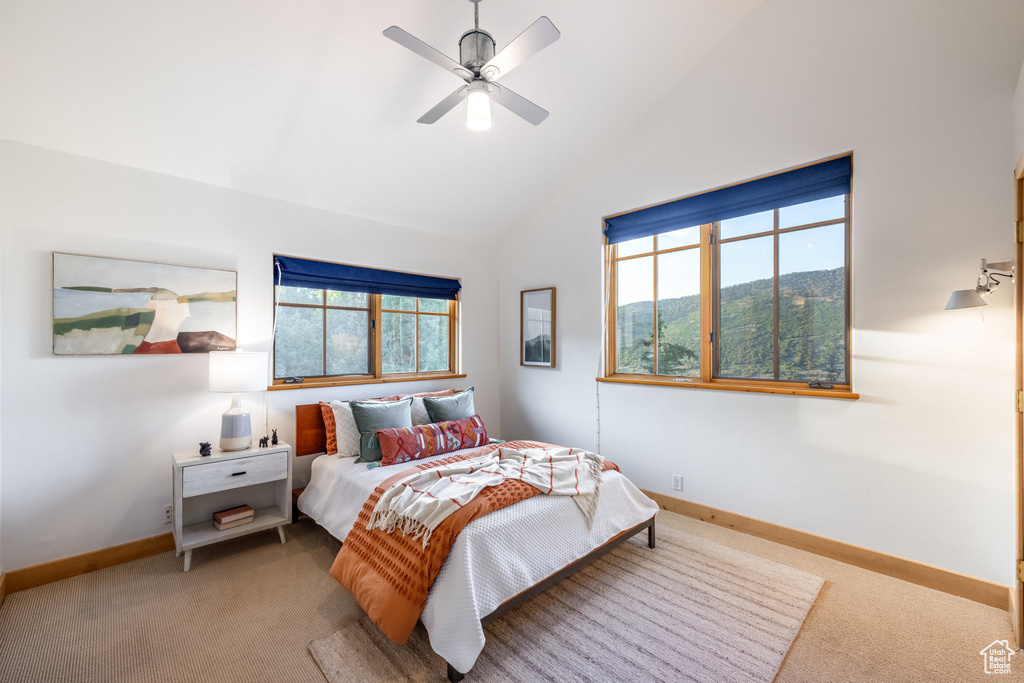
(238, 443)
(235, 427)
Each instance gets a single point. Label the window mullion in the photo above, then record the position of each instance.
(416, 341)
(323, 351)
(654, 350)
(706, 302)
(452, 336)
(611, 365)
(848, 319)
(775, 295)
(377, 331)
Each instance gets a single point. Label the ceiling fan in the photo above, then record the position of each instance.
(480, 68)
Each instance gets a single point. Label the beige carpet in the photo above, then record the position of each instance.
(243, 604)
(689, 610)
(249, 607)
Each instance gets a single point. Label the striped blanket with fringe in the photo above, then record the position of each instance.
(418, 503)
(390, 574)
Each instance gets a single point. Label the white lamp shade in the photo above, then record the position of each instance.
(965, 298)
(235, 371)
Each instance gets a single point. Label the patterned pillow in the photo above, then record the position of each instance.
(422, 441)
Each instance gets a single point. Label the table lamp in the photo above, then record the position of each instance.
(234, 372)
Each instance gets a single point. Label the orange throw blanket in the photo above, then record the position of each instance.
(391, 574)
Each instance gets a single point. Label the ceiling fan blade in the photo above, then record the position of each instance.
(517, 104)
(538, 36)
(444, 106)
(407, 40)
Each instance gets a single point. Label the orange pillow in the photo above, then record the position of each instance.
(330, 427)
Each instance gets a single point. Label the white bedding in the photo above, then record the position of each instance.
(495, 558)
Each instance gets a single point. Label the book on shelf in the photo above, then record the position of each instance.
(223, 526)
(232, 514)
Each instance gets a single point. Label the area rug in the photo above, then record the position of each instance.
(688, 610)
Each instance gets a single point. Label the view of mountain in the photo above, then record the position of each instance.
(538, 349)
(812, 330)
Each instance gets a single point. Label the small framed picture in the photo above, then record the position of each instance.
(537, 327)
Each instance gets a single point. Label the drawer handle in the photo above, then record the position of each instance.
(235, 474)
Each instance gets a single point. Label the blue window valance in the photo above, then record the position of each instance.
(805, 184)
(298, 272)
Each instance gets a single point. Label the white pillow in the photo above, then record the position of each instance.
(345, 428)
(419, 412)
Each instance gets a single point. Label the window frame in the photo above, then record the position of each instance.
(375, 346)
(709, 247)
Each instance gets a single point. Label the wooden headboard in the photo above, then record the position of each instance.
(310, 432)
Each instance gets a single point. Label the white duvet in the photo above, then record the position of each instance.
(495, 558)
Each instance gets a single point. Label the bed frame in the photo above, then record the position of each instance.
(311, 439)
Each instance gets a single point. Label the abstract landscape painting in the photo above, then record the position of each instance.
(104, 306)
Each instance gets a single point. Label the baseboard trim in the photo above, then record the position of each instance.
(970, 587)
(65, 568)
(3, 588)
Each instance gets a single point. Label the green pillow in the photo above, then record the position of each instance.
(373, 415)
(455, 407)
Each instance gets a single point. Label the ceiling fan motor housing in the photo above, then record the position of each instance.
(476, 48)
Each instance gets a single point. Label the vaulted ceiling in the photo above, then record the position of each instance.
(305, 101)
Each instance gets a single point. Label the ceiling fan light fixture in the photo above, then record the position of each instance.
(480, 67)
(478, 108)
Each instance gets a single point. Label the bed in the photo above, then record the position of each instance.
(498, 561)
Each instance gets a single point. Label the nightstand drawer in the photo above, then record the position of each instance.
(222, 476)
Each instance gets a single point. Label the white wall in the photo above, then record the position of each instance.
(1018, 117)
(86, 441)
(921, 466)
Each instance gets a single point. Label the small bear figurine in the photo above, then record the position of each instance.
(263, 441)
(204, 448)
(273, 440)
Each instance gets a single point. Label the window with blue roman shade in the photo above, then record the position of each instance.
(798, 186)
(299, 272)
(742, 287)
(339, 323)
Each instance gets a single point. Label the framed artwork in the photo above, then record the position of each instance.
(537, 327)
(106, 307)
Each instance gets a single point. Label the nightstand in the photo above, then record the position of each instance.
(258, 477)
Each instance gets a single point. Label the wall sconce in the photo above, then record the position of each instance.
(987, 282)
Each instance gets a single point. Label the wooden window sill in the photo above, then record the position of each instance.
(732, 386)
(320, 384)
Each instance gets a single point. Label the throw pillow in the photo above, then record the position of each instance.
(420, 416)
(422, 441)
(373, 415)
(455, 407)
(330, 429)
(346, 432)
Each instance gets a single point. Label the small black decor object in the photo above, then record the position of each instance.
(204, 448)
(273, 439)
(264, 441)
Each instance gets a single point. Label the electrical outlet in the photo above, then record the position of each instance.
(168, 514)
(677, 482)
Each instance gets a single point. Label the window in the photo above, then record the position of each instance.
(749, 290)
(329, 335)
